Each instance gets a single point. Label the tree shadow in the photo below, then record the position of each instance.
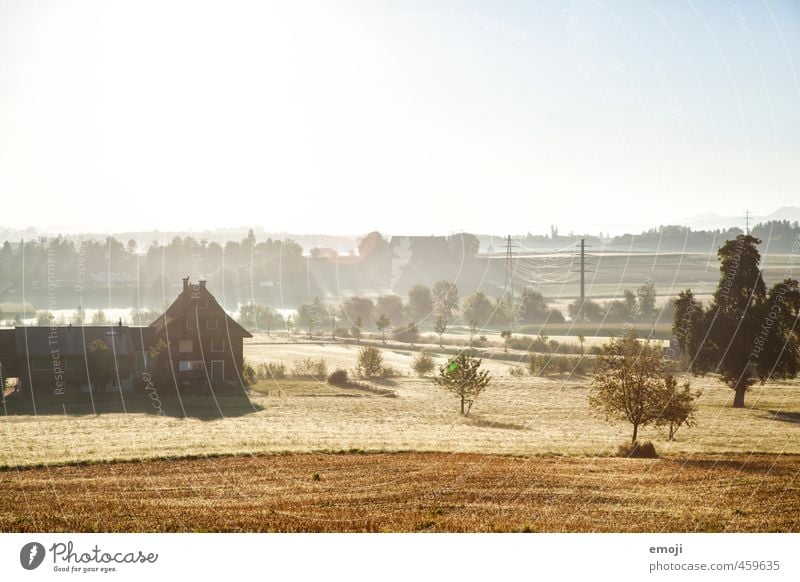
(784, 416)
(197, 403)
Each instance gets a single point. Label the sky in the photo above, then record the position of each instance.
(411, 117)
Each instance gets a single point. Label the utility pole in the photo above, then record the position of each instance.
(583, 271)
(509, 267)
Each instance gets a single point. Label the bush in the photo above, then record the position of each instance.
(342, 332)
(311, 368)
(408, 333)
(370, 362)
(248, 373)
(272, 371)
(517, 371)
(637, 450)
(339, 377)
(422, 364)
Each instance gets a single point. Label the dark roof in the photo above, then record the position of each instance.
(187, 300)
(37, 341)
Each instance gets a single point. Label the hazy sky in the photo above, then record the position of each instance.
(409, 117)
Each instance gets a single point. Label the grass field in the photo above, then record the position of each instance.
(526, 416)
(408, 492)
(530, 455)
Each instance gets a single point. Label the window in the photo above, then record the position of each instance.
(191, 323)
(42, 364)
(217, 344)
(185, 346)
(211, 323)
(189, 365)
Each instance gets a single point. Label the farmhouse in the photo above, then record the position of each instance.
(203, 343)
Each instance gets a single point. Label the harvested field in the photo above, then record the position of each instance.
(408, 492)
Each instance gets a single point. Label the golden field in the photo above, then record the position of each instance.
(423, 492)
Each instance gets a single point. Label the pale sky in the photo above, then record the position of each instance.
(410, 117)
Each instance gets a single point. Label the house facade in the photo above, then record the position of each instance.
(203, 343)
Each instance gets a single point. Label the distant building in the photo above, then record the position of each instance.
(205, 346)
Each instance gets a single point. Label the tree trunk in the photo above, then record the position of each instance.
(462, 406)
(635, 433)
(738, 398)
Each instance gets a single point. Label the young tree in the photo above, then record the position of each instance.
(581, 340)
(100, 364)
(631, 383)
(445, 299)
(473, 329)
(383, 324)
(747, 334)
(160, 365)
(439, 327)
(462, 377)
(355, 331)
(506, 335)
(680, 408)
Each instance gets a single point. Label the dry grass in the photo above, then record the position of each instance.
(408, 492)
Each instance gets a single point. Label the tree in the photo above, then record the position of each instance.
(506, 335)
(391, 306)
(586, 310)
(289, 325)
(422, 364)
(533, 308)
(80, 316)
(747, 334)
(44, 318)
(445, 299)
(100, 364)
(383, 324)
(631, 383)
(687, 324)
(420, 303)
(464, 245)
(680, 408)
(646, 302)
(259, 317)
(581, 340)
(473, 328)
(462, 377)
(359, 308)
(477, 307)
(355, 331)
(439, 327)
(370, 362)
(99, 318)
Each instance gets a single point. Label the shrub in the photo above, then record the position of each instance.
(422, 364)
(517, 371)
(339, 377)
(309, 367)
(637, 450)
(272, 371)
(408, 333)
(248, 373)
(370, 362)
